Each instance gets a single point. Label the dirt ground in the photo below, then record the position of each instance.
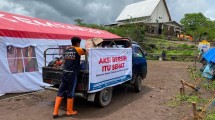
(161, 85)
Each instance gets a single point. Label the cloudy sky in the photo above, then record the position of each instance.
(97, 11)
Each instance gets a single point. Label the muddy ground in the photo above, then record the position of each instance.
(160, 86)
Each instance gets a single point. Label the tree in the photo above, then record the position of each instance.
(79, 21)
(197, 25)
(134, 31)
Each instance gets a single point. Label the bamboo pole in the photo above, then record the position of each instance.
(195, 116)
(182, 88)
(205, 107)
(181, 91)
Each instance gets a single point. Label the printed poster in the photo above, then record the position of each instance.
(109, 67)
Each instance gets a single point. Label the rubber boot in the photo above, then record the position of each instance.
(56, 107)
(70, 110)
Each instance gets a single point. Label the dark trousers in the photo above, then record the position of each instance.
(68, 85)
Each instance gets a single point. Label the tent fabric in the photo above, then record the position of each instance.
(26, 81)
(21, 82)
(19, 46)
(210, 55)
(27, 27)
(19, 32)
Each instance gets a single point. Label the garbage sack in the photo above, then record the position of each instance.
(56, 63)
(208, 72)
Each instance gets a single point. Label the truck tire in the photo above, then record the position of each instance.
(138, 84)
(103, 98)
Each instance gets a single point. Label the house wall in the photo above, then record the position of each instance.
(160, 13)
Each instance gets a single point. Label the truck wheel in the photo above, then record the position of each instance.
(103, 98)
(138, 84)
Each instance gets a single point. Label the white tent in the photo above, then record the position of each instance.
(23, 41)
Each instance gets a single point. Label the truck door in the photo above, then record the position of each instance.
(139, 61)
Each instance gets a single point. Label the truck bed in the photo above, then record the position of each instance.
(53, 76)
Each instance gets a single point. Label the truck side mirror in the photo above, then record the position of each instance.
(145, 53)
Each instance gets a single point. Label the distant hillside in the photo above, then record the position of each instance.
(182, 51)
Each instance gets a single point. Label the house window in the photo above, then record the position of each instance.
(22, 59)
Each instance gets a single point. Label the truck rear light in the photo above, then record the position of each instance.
(79, 87)
(47, 81)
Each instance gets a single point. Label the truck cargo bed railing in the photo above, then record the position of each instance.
(45, 53)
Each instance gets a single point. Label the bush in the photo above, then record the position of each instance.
(210, 116)
(183, 46)
(134, 31)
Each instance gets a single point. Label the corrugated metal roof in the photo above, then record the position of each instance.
(139, 9)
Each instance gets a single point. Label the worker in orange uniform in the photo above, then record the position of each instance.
(69, 80)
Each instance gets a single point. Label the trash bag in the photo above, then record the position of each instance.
(208, 72)
(52, 63)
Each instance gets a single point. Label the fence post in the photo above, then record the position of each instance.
(195, 116)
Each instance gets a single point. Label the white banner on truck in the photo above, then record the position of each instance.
(109, 67)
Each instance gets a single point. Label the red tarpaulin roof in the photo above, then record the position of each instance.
(12, 25)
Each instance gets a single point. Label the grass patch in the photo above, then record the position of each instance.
(156, 46)
(209, 85)
(210, 116)
(185, 98)
(193, 75)
(180, 52)
(173, 103)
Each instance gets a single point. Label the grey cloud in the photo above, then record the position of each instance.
(180, 7)
(96, 11)
(93, 11)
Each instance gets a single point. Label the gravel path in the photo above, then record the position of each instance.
(162, 83)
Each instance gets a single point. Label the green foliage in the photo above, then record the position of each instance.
(174, 51)
(193, 74)
(197, 25)
(184, 98)
(181, 52)
(192, 46)
(193, 21)
(79, 21)
(192, 98)
(210, 116)
(133, 31)
(173, 103)
(182, 49)
(209, 86)
(185, 46)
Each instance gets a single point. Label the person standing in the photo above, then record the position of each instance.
(201, 53)
(69, 79)
(163, 55)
